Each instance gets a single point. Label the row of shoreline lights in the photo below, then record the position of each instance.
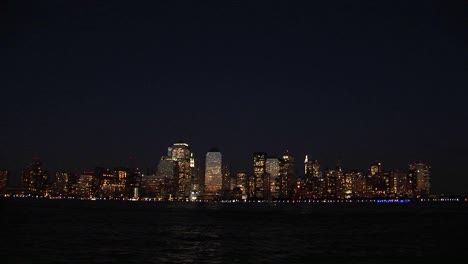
(258, 201)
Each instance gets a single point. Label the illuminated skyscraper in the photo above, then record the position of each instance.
(35, 178)
(213, 172)
(316, 172)
(198, 175)
(287, 179)
(84, 186)
(226, 180)
(154, 187)
(359, 184)
(376, 184)
(107, 182)
(318, 181)
(260, 177)
(273, 169)
(181, 154)
(63, 183)
(420, 173)
(167, 167)
(330, 183)
(400, 183)
(242, 180)
(340, 181)
(308, 166)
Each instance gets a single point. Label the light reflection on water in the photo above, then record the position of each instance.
(110, 231)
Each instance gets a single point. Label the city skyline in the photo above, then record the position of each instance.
(179, 175)
(93, 84)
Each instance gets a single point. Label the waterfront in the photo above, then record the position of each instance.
(75, 231)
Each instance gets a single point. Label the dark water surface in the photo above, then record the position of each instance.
(74, 231)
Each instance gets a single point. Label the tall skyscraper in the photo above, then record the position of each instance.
(167, 167)
(400, 183)
(330, 183)
(287, 179)
(260, 177)
(35, 178)
(84, 185)
(213, 172)
(421, 174)
(63, 184)
(226, 180)
(181, 154)
(273, 169)
(376, 184)
(340, 181)
(308, 181)
(242, 180)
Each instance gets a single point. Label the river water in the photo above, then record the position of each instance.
(75, 231)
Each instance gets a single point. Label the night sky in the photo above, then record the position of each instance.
(88, 83)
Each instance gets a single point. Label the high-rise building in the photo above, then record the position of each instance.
(213, 172)
(330, 183)
(167, 167)
(226, 180)
(153, 186)
(287, 179)
(63, 184)
(242, 180)
(3, 180)
(273, 169)
(307, 180)
(260, 177)
(106, 180)
(348, 186)
(198, 175)
(359, 184)
(376, 183)
(399, 183)
(340, 181)
(421, 174)
(35, 178)
(181, 154)
(308, 166)
(316, 172)
(84, 186)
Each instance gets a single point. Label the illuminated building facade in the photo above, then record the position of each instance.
(376, 182)
(420, 176)
(400, 183)
(198, 175)
(35, 179)
(340, 181)
(155, 187)
(213, 172)
(273, 170)
(226, 180)
(84, 185)
(330, 184)
(242, 181)
(287, 180)
(359, 184)
(63, 183)
(261, 181)
(167, 167)
(309, 183)
(347, 186)
(180, 153)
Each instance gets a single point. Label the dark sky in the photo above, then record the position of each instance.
(87, 83)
